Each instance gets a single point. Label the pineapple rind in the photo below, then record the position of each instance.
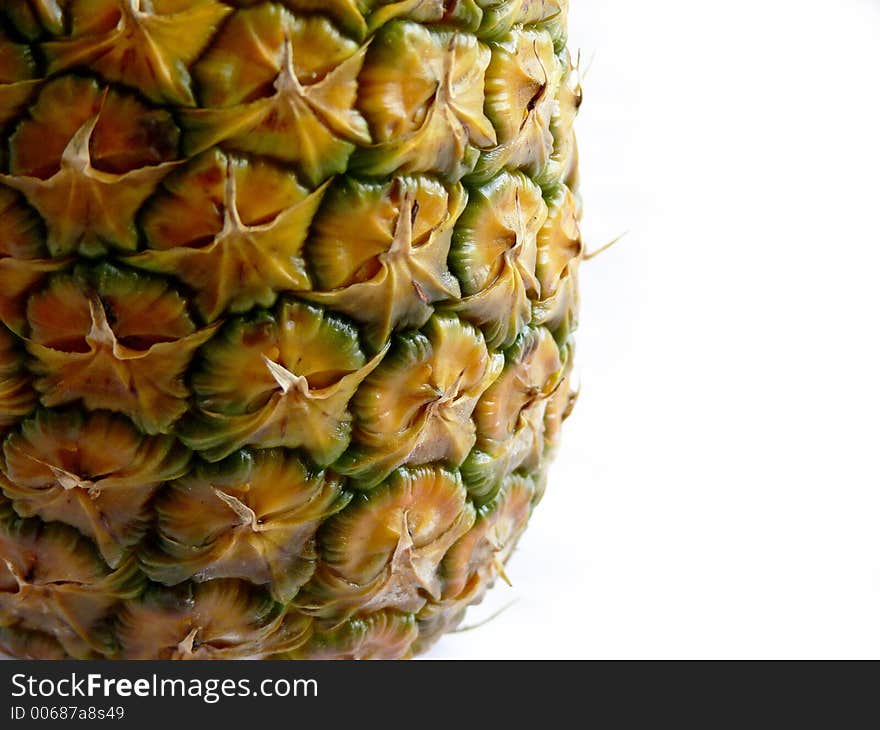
(416, 407)
(422, 92)
(287, 297)
(474, 563)
(560, 251)
(78, 355)
(522, 90)
(301, 368)
(53, 582)
(494, 255)
(17, 71)
(380, 252)
(380, 635)
(259, 513)
(17, 397)
(510, 416)
(94, 471)
(253, 253)
(385, 550)
(220, 619)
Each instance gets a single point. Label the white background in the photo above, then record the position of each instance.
(717, 495)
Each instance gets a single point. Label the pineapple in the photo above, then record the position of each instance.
(287, 295)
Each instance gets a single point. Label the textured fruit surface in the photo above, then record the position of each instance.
(287, 297)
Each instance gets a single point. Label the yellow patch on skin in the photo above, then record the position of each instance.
(145, 48)
(529, 379)
(243, 264)
(309, 120)
(18, 278)
(560, 251)
(474, 563)
(561, 402)
(522, 91)
(23, 262)
(127, 135)
(481, 554)
(564, 161)
(86, 209)
(388, 254)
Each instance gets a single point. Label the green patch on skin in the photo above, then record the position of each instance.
(383, 635)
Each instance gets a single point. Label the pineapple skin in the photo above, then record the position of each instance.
(287, 295)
